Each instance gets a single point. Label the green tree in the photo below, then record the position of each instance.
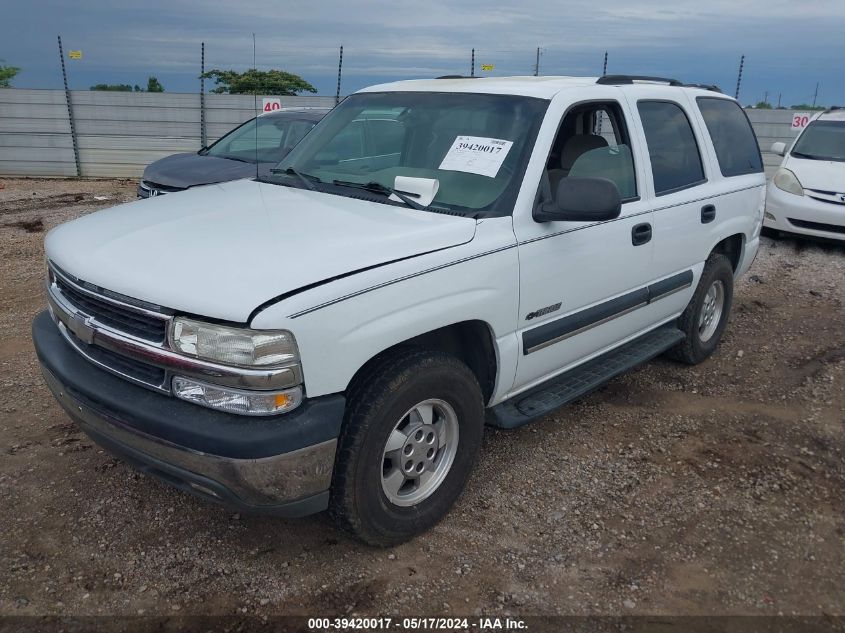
(7, 73)
(269, 82)
(763, 105)
(806, 106)
(113, 87)
(154, 85)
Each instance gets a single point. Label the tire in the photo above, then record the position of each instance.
(702, 341)
(382, 402)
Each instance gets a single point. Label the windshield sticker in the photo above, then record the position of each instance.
(476, 155)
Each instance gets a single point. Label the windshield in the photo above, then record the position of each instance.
(276, 136)
(822, 140)
(475, 145)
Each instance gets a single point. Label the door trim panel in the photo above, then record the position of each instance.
(565, 327)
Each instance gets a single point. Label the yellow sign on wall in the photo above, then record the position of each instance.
(486, 66)
(75, 54)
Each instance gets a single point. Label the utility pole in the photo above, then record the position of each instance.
(739, 76)
(766, 96)
(472, 65)
(780, 94)
(70, 112)
(816, 94)
(537, 64)
(339, 71)
(604, 68)
(203, 138)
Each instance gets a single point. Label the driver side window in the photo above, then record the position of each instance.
(592, 142)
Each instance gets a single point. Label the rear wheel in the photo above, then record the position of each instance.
(413, 429)
(706, 316)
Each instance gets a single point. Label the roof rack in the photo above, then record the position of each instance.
(615, 80)
(455, 77)
(710, 87)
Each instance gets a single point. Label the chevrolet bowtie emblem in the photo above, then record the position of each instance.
(81, 327)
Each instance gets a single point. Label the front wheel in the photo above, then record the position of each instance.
(412, 431)
(706, 316)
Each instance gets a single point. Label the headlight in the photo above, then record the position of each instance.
(236, 400)
(787, 181)
(231, 345)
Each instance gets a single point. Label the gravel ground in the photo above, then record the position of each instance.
(672, 490)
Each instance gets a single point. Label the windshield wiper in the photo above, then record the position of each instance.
(808, 156)
(291, 171)
(377, 187)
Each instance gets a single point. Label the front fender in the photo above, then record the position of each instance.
(341, 325)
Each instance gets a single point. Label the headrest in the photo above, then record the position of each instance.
(578, 145)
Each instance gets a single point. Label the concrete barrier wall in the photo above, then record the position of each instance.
(120, 133)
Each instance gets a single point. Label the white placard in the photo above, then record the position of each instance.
(476, 155)
(800, 120)
(425, 188)
(271, 104)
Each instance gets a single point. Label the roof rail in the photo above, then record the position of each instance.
(833, 109)
(710, 87)
(615, 80)
(455, 77)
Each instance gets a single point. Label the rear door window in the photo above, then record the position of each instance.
(672, 148)
(732, 135)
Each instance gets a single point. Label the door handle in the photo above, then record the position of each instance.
(708, 213)
(641, 234)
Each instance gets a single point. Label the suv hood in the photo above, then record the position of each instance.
(822, 175)
(222, 250)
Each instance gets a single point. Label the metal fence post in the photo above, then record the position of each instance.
(339, 70)
(203, 138)
(70, 113)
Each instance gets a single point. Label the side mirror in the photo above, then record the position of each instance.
(582, 200)
(779, 148)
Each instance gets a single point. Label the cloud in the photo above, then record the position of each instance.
(387, 39)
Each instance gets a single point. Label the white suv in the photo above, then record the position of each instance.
(433, 255)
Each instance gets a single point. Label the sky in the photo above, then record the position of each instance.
(789, 46)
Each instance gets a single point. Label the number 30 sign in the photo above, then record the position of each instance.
(800, 120)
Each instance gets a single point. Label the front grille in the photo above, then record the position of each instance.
(115, 316)
(831, 197)
(133, 369)
(818, 226)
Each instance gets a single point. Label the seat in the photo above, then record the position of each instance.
(574, 147)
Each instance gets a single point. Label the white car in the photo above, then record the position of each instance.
(335, 335)
(807, 194)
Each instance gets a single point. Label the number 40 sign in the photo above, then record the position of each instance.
(271, 104)
(800, 120)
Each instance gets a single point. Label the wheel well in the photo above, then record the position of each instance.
(469, 341)
(731, 247)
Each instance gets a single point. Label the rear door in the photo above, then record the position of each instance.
(679, 177)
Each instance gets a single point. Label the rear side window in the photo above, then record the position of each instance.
(734, 140)
(672, 149)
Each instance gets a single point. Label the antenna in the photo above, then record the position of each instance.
(255, 106)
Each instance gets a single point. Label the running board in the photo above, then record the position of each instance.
(578, 382)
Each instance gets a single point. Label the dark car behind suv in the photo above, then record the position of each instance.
(264, 140)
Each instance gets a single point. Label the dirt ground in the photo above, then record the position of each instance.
(673, 490)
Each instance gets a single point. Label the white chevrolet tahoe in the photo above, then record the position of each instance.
(434, 255)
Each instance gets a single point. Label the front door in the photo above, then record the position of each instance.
(584, 286)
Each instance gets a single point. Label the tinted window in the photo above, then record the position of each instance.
(675, 161)
(733, 138)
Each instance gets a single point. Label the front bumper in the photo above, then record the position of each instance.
(803, 214)
(278, 464)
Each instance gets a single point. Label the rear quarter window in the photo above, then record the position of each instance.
(733, 137)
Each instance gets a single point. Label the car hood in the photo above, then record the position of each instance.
(822, 175)
(191, 169)
(222, 250)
